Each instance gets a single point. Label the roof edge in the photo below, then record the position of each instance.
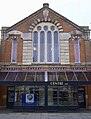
(46, 5)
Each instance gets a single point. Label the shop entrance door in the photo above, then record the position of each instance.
(81, 97)
(10, 97)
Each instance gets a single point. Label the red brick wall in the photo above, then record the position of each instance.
(71, 51)
(7, 49)
(3, 95)
(26, 23)
(85, 47)
(85, 51)
(2, 52)
(20, 50)
(88, 51)
(82, 51)
(88, 93)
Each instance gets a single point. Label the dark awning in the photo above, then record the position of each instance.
(64, 76)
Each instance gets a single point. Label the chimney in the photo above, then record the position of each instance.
(46, 5)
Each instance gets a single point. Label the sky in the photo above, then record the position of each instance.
(13, 11)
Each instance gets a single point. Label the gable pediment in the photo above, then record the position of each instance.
(45, 14)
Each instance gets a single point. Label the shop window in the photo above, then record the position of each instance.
(76, 51)
(14, 51)
(62, 95)
(29, 96)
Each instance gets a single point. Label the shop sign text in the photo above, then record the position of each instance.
(56, 83)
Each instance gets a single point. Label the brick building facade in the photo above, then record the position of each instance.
(45, 63)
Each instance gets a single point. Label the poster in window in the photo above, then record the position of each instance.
(29, 98)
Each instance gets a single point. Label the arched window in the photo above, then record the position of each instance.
(76, 51)
(14, 51)
(45, 43)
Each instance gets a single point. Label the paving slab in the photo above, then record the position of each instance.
(29, 115)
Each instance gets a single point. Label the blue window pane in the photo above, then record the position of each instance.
(42, 46)
(35, 47)
(55, 37)
(76, 41)
(56, 51)
(38, 28)
(49, 46)
(14, 50)
(52, 28)
(76, 50)
(35, 40)
(45, 28)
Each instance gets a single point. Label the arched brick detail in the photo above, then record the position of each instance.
(37, 21)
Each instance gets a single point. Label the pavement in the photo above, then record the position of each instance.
(61, 115)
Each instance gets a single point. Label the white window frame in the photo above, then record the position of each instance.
(45, 60)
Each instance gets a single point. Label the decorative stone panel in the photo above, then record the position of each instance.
(64, 47)
(27, 36)
(27, 52)
(65, 36)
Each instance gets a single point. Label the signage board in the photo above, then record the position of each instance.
(29, 98)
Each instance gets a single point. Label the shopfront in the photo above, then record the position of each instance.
(46, 91)
(45, 96)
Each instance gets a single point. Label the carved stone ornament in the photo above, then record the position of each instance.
(45, 13)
